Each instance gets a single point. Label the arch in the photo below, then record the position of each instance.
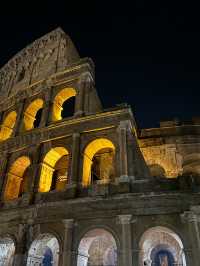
(44, 251)
(7, 251)
(16, 178)
(97, 247)
(161, 244)
(157, 170)
(59, 100)
(30, 115)
(8, 125)
(53, 164)
(90, 151)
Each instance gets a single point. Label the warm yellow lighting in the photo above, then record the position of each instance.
(15, 177)
(8, 125)
(91, 149)
(48, 165)
(60, 98)
(30, 113)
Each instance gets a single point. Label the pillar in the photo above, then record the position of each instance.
(21, 253)
(75, 158)
(123, 160)
(126, 245)
(83, 84)
(67, 242)
(192, 222)
(20, 119)
(3, 164)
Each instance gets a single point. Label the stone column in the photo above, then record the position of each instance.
(123, 160)
(75, 158)
(20, 119)
(67, 242)
(126, 245)
(3, 164)
(83, 85)
(192, 221)
(21, 253)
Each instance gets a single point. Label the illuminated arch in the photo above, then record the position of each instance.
(7, 251)
(59, 100)
(48, 168)
(44, 251)
(31, 112)
(161, 241)
(16, 177)
(97, 247)
(8, 125)
(89, 152)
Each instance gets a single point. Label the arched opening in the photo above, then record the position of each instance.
(157, 171)
(33, 113)
(54, 172)
(160, 246)
(8, 125)
(17, 178)
(63, 105)
(44, 251)
(98, 161)
(7, 251)
(97, 248)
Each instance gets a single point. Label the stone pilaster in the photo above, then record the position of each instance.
(126, 244)
(21, 252)
(192, 220)
(20, 119)
(75, 158)
(123, 160)
(3, 164)
(67, 242)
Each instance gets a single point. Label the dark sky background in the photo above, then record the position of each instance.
(146, 53)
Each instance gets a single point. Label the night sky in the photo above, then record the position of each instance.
(146, 53)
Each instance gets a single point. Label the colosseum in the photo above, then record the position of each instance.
(82, 185)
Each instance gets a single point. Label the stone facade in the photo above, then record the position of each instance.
(76, 190)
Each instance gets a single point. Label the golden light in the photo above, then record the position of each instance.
(49, 162)
(15, 177)
(60, 98)
(8, 125)
(91, 149)
(30, 113)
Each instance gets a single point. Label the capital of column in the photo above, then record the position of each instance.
(124, 219)
(68, 223)
(189, 216)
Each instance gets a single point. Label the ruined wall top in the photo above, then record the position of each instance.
(47, 55)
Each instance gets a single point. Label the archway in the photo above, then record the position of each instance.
(32, 115)
(44, 251)
(60, 104)
(98, 161)
(157, 170)
(7, 250)
(160, 246)
(97, 247)
(8, 125)
(54, 172)
(17, 178)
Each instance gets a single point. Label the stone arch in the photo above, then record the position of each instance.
(161, 241)
(55, 166)
(7, 251)
(157, 170)
(16, 178)
(8, 125)
(59, 100)
(44, 248)
(104, 149)
(31, 112)
(97, 247)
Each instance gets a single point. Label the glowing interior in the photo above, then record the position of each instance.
(60, 98)
(8, 125)
(49, 162)
(30, 113)
(91, 149)
(15, 177)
